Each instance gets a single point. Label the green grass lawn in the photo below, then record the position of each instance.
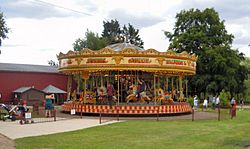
(184, 134)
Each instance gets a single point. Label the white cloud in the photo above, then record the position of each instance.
(39, 32)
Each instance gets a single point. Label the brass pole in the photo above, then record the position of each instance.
(69, 86)
(167, 84)
(118, 87)
(186, 88)
(181, 88)
(101, 80)
(172, 85)
(154, 90)
(84, 98)
(78, 83)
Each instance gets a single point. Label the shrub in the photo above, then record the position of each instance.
(225, 98)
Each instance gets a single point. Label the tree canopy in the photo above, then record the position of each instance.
(115, 34)
(112, 33)
(91, 41)
(52, 63)
(218, 65)
(4, 30)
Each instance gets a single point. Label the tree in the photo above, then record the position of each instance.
(4, 30)
(246, 63)
(218, 65)
(132, 35)
(91, 41)
(114, 34)
(112, 31)
(52, 63)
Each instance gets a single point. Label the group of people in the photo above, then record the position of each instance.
(216, 102)
(233, 103)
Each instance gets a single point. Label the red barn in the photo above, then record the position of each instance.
(14, 76)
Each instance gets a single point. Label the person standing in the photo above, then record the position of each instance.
(213, 102)
(241, 104)
(195, 101)
(217, 102)
(110, 91)
(49, 105)
(232, 102)
(205, 103)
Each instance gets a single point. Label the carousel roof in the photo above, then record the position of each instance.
(121, 46)
(125, 56)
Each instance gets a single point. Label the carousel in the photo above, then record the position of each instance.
(143, 81)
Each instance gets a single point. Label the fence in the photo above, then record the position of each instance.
(38, 114)
(218, 114)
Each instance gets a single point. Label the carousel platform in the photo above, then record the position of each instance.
(128, 109)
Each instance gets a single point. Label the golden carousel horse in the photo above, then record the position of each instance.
(162, 97)
(133, 95)
(89, 99)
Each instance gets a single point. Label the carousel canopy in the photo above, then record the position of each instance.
(127, 57)
(121, 46)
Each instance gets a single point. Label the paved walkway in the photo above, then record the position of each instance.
(14, 130)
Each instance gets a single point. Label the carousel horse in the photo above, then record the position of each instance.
(169, 99)
(163, 98)
(73, 96)
(133, 95)
(160, 96)
(102, 92)
(90, 97)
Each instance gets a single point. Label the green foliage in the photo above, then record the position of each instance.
(246, 63)
(112, 33)
(132, 35)
(52, 63)
(115, 34)
(4, 30)
(200, 134)
(218, 65)
(190, 100)
(225, 98)
(91, 41)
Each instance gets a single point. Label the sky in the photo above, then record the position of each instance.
(41, 29)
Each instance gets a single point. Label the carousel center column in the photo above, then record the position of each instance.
(181, 89)
(85, 76)
(69, 86)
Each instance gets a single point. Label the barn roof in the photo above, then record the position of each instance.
(21, 89)
(24, 89)
(53, 89)
(27, 68)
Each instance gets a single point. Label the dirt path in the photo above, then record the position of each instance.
(6, 143)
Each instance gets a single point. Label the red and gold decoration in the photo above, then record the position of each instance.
(126, 65)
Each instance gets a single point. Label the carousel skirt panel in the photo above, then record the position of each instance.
(128, 109)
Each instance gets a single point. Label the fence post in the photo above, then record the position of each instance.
(231, 112)
(192, 114)
(100, 117)
(117, 113)
(218, 112)
(54, 114)
(81, 110)
(157, 113)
